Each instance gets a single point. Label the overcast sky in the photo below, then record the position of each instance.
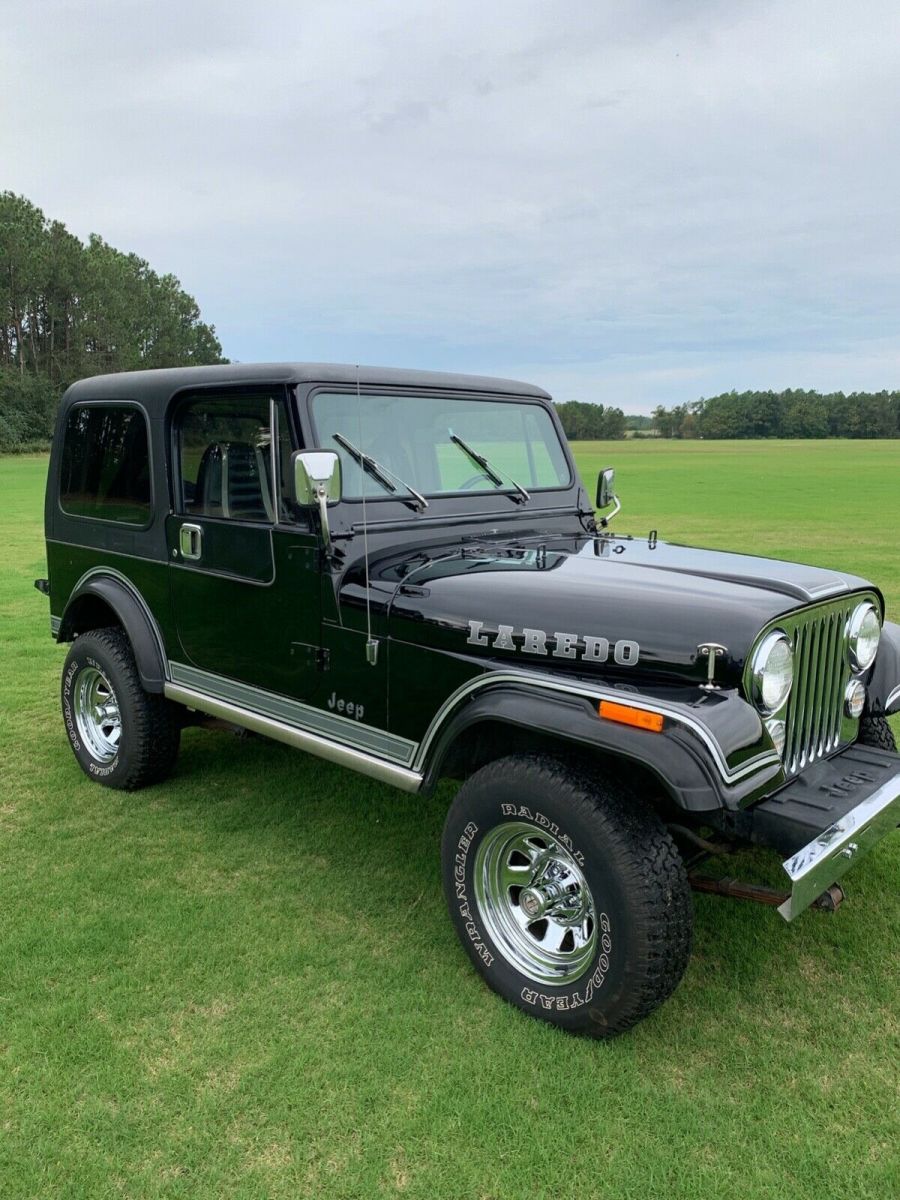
(634, 203)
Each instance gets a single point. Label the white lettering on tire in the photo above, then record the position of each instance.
(71, 728)
(538, 818)
(459, 883)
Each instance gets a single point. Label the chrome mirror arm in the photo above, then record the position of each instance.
(617, 508)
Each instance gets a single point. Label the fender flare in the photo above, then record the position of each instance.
(679, 760)
(884, 688)
(123, 598)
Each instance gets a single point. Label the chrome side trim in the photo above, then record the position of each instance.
(344, 756)
(55, 623)
(893, 699)
(247, 705)
(130, 587)
(823, 861)
(366, 738)
(593, 692)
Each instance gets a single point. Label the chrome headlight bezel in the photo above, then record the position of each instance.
(758, 665)
(858, 661)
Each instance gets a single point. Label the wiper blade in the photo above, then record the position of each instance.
(384, 475)
(493, 473)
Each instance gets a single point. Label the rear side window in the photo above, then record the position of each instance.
(106, 464)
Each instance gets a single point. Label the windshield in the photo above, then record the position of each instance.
(413, 437)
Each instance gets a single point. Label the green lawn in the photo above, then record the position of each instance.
(243, 983)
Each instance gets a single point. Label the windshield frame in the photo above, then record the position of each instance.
(467, 500)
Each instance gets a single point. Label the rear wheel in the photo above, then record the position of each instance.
(122, 736)
(568, 894)
(875, 731)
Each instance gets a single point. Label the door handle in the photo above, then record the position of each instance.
(190, 540)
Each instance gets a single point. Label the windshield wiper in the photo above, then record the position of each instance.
(494, 474)
(381, 473)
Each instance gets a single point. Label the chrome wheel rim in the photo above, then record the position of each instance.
(97, 714)
(535, 903)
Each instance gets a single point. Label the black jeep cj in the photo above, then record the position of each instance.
(401, 572)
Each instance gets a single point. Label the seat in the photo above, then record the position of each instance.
(207, 500)
(246, 495)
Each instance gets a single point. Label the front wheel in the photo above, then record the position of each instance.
(122, 736)
(569, 895)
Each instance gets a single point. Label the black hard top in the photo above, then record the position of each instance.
(154, 388)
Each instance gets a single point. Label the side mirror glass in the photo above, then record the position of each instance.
(317, 483)
(317, 475)
(606, 492)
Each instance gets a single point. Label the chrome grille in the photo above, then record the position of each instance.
(815, 714)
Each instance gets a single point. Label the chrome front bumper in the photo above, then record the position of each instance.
(829, 856)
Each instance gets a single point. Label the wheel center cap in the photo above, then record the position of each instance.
(532, 902)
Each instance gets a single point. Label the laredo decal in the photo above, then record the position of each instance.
(565, 645)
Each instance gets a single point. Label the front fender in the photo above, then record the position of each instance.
(884, 688)
(711, 754)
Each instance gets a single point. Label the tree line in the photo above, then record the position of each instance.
(793, 413)
(70, 309)
(583, 421)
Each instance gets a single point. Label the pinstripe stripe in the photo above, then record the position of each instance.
(293, 712)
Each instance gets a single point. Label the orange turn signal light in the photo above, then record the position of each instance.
(626, 715)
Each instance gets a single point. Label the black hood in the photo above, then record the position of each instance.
(667, 599)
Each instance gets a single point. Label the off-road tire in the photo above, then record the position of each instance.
(875, 731)
(150, 728)
(633, 872)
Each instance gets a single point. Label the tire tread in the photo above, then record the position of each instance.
(875, 731)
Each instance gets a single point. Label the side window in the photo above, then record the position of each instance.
(225, 451)
(105, 471)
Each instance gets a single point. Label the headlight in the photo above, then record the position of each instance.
(772, 672)
(854, 699)
(865, 633)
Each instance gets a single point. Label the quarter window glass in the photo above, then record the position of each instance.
(105, 470)
(224, 447)
(410, 435)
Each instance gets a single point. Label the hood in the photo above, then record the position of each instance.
(652, 604)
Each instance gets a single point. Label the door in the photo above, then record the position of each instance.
(245, 563)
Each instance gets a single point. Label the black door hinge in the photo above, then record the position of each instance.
(316, 657)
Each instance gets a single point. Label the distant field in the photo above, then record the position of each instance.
(243, 983)
(835, 503)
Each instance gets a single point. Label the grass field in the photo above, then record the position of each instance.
(243, 983)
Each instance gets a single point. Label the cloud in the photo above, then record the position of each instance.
(649, 201)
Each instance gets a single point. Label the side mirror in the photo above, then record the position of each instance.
(606, 495)
(606, 487)
(316, 472)
(317, 483)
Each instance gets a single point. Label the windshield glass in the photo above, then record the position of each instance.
(411, 436)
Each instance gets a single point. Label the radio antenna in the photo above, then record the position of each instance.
(371, 644)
